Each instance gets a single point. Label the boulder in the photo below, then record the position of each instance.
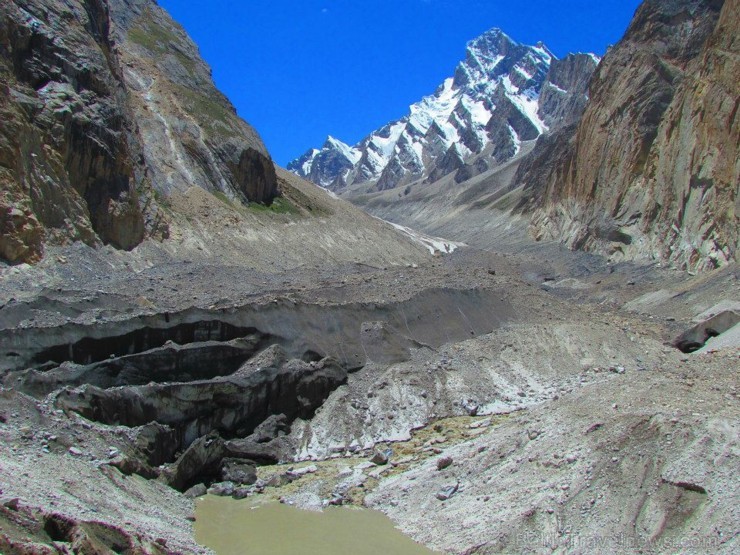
(238, 471)
(242, 493)
(380, 458)
(272, 452)
(199, 461)
(131, 465)
(156, 443)
(198, 490)
(299, 472)
(223, 489)
(444, 462)
(274, 426)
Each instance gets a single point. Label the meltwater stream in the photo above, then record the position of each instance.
(231, 527)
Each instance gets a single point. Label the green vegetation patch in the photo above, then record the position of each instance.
(223, 198)
(161, 199)
(299, 199)
(279, 205)
(212, 115)
(158, 40)
(151, 36)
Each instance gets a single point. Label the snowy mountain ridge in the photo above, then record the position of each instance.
(491, 101)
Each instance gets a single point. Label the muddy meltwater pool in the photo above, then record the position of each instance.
(231, 527)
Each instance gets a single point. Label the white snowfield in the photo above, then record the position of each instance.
(434, 244)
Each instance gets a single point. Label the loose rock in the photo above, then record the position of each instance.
(444, 462)
(380, 457)
(446, 492)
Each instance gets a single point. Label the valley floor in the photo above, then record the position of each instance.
(528, 402)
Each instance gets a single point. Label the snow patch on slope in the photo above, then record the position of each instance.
(306, 166)
(434, 244)
(352, 154)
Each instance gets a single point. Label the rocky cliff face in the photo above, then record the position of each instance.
(502, 94)
(565, 93)
(183, 119)
(67, 145)
(107, 107)
(653, 168)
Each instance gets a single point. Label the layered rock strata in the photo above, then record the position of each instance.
(652, 170)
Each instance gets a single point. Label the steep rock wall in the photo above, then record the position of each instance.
(652, 171)
(106, 108)
(191, 133)
(67, 142)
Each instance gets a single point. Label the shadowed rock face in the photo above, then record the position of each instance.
(255, 176)
(170, 363)
(652, 170)
(565, 93)
(351, 333)
(107, 107)
(233, 406)
(228, 384)
(194, 416)
(190, 131)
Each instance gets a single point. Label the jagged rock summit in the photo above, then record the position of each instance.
(502, 94)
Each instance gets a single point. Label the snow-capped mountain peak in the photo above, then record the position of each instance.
(352, 154)
(335, 159)
(493, 98)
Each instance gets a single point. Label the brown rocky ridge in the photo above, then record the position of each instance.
(653, 169)
(107, 109)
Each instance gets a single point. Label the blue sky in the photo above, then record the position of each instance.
(299, 70)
